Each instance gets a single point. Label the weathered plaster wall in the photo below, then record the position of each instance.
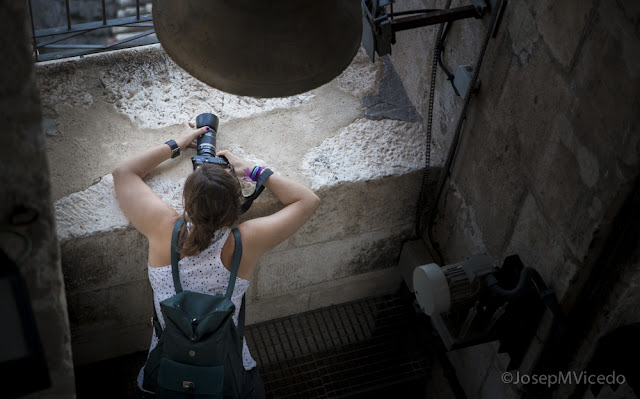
(548, 155)
(25, 200)
(356, 141)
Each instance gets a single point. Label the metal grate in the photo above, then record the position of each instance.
(70, 39)
(342, 351)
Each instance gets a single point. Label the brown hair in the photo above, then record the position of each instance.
(211, 201)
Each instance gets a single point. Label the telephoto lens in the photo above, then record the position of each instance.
(207, 141)
(206, 150)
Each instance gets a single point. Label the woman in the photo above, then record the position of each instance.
(211, 200)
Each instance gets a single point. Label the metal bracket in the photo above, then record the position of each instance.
(464, 75)
(379, 27)
(480, 6)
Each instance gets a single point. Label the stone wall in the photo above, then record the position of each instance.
(25, 201)
(549, 153)
(357, 142)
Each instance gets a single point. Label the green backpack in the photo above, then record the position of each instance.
(199, 353)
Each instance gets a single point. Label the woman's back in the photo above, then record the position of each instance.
(211, 202)
(202, 273)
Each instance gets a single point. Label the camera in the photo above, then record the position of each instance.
(206, 150)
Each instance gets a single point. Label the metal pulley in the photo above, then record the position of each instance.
(258, 48)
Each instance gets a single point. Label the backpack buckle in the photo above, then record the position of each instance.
(189, 385)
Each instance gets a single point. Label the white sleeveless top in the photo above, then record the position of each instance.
(202, 273)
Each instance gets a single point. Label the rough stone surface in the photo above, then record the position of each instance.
(391, 101)
(300, 267)
(361, 76)
(150, 89)
(91, 262)
(86, 140)
(355, 237)
(462, 234)
(361, 207)
(96, 208)
(534, 239)
(549, 149)
(364, 150)
(375, 283)
(25, 201)
(565, 19)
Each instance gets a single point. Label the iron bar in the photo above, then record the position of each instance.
(104, 13)
(101, 46)
(433, 18)
(77, 46)
(129, 39)
(58, 39)
(70, 35)
(66, 4)
(33, 31)
(92, 26)
(78, 52)
(138, 9)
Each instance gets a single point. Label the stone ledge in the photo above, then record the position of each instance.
(99, 110)
(375, 283)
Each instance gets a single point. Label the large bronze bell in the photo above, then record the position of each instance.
(259, 48)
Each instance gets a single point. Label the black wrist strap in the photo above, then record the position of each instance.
(175, 150)
(259, 189)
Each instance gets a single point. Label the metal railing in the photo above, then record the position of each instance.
(54, 43)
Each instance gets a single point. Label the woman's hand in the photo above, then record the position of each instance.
(240, 165)
(188, 135)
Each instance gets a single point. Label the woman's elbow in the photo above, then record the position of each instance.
(117, 174)
(120, 177)
(314, 202)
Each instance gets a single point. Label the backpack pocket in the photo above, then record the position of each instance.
(178, 380)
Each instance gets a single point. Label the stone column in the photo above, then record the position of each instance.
(25, 197)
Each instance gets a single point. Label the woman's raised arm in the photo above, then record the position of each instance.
(145, 210)
(266, 232)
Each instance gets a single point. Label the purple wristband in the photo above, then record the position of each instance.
(253, 175)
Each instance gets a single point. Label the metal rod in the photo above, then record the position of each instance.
(77, 46)
(33, 31)
(473, 312)
(97, 46)
(77, 52)
(266, 351)
(137, 9)
(433, 18)
(92, 25)
(104, 13)
(66, 4)
(59, 39)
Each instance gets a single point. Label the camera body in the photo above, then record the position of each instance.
(206, 150)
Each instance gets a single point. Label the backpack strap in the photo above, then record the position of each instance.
(237, 255)
(175, 256)
(241, 319)
(156, 322)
